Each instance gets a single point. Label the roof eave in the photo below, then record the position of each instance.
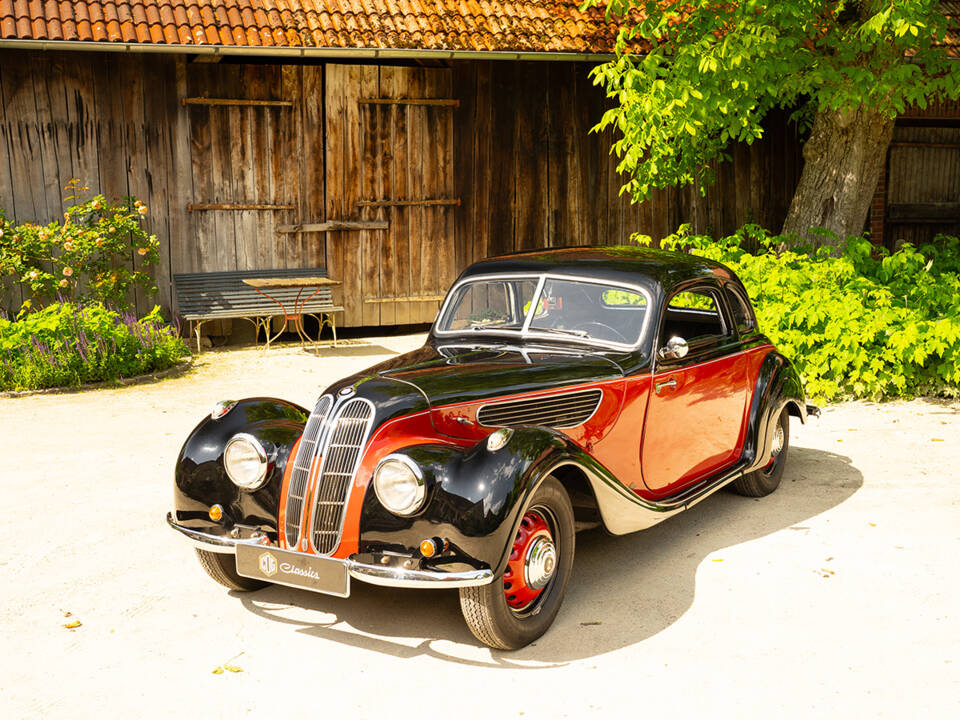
(303, 52)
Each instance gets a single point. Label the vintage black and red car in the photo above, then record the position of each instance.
(558, 390)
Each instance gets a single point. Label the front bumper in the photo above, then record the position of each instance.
(365, 569)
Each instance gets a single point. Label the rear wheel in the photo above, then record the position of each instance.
(522, 602)
(767, 479)
(222, 567)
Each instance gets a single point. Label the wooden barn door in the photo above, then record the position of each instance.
(389, 157)
(252, 173)
(923, 187)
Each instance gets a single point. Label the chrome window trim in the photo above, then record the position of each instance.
(525, 332)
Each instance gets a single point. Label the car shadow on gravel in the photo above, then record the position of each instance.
(647, 579)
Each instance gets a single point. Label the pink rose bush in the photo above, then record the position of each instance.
(100, 251)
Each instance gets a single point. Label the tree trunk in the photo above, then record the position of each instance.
(842, 162)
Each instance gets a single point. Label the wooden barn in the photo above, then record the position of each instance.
(391, 146)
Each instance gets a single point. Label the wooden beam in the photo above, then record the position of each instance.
(238, 101)
(439, 102)
(913, 143)
(407, 203)
(197, 207)
(405, 298)
(943, 212)
(334, 226)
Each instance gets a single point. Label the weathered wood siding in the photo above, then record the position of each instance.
(923, 186)
(531, 174)
(497, 158)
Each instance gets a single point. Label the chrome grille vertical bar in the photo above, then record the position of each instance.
(345, 439)
(301, 470)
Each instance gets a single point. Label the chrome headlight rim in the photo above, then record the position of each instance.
(261, 453)
(420, 491)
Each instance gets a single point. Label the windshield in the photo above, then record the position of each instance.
(574, 309)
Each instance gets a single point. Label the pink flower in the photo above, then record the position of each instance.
(142, 251)
(33, 275)
(142, 209)
(68, 271)
(97, 205)
(68, 246)
(64, 282)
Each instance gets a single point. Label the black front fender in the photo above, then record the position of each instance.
(201, 480)
(475, 499)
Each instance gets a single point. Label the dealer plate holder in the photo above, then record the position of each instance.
(283, 567)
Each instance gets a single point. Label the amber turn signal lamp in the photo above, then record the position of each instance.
(216, 512)
(432, 546)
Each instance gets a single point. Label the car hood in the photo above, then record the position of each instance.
(455, 374)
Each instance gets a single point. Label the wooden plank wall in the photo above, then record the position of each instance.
(923, 183)
(103, 119)
(532, 175)
(516, 151)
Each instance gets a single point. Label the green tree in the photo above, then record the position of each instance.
(691, 76)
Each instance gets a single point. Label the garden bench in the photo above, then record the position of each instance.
(202, 297)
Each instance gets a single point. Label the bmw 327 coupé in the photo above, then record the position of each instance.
(557, 390)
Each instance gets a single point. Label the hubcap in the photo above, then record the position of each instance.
(776, 447)
(532, 563)
(777, 441)
(540, 562)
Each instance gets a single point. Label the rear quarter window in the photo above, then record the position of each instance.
(740, 309)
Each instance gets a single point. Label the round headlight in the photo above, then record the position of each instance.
(245, 461)
(399, 485)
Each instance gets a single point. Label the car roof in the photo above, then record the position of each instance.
(648, 267)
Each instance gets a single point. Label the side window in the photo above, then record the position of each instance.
(743, 316)
(694, 315)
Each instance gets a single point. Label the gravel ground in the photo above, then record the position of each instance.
(835, 596)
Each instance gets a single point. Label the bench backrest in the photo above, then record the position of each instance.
(224, 294)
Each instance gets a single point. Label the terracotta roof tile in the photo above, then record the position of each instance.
(507, 25)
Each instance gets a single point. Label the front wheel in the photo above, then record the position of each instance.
(222, 567)
(522, 601)
(767, 479)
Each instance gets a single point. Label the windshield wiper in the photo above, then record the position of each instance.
(484, 326)
(562, 331)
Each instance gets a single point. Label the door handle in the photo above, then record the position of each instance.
(672, 382)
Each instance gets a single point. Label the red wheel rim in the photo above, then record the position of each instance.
(533, 560)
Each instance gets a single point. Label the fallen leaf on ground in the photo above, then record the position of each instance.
(73, 625)
(218, 670)
(872, 524)
(233, 668)
(936, 439)
(717, 559)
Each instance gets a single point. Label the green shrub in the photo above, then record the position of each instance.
(66, 344)
(861, 324)
(88, 256)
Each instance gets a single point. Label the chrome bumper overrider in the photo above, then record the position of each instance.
(363, 571)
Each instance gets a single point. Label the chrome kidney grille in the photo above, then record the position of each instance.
(301, 469)
(565, 410)
(345, 438)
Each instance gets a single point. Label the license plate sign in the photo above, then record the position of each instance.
(320, 574)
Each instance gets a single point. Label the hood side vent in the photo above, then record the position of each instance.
(561, 411)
